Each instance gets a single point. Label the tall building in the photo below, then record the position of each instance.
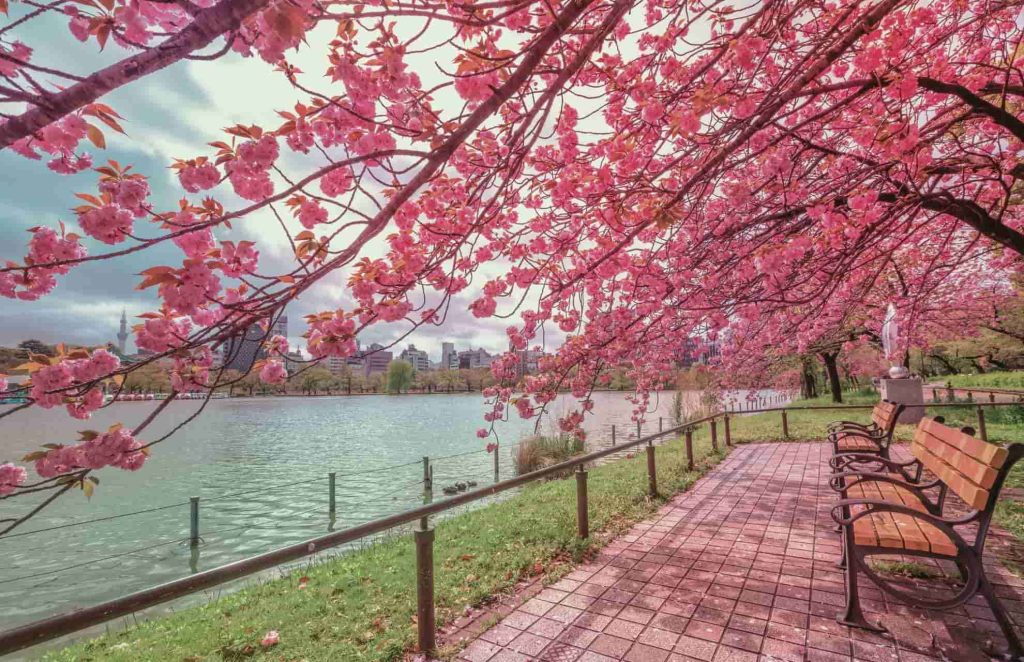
(122, 334)
(449, 357)
(375, 359)
(475, 358)
(245, 349)
(417, 357)
(280, 327)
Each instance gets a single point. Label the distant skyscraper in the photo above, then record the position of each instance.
(122, 334)
(475, 358)
(280, 327)
(449, 357)
(245, 349)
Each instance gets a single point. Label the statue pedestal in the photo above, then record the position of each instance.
(907, 391)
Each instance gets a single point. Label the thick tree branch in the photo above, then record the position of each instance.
(223, 17)
(977, 104)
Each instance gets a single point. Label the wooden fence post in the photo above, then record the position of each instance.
(982, 432)
(785, 425)
(714, 435)
(193, 520)
(992, 399)
(661, 427)
(689, 448)
(638, 429)
(497, 468)
(613, 434)
(970, 397)
(582, 514)
(728, 433)
(424, 538)
(652, 472)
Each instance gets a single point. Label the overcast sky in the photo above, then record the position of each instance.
(172, 113)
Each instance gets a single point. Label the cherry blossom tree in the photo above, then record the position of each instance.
(628, 174)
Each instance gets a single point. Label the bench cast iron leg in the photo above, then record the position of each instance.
(1016, 651)
(852, 615)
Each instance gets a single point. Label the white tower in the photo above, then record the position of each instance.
(122, 334)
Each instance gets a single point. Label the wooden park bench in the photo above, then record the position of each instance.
(887, 509)
(872, 439)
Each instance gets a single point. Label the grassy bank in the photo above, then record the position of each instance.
(1004, 379)
(361, 606)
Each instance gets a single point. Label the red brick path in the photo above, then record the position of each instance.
(740, 568)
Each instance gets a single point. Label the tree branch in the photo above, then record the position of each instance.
(208, 25)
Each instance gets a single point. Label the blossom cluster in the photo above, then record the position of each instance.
(115, 448)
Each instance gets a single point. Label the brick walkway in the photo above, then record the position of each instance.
(740, 568)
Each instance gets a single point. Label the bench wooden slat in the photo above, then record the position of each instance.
(896, 530)
(967, 465)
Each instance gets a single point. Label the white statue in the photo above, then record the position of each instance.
(890, 344)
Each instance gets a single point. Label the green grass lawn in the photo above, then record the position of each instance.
(1004, 379)
(361, 606)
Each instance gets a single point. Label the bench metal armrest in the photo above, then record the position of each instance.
(845, 434)
(838, 481)
(839, 460)
(840, 425)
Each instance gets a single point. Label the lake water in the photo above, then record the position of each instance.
(259, 466)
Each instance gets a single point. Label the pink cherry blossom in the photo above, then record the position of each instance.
(273, 372)
(11, 477)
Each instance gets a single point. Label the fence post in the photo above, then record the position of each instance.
(785, 425)
(950, 394)
(652, 473)
(728, 433)
(613, 434)
(428, 488)
(970, 397)
(582, 514)
(638, 428)
(424, 537)
(661, 426)
(689, 449)
(714, 435)
(331, 507)
(935, 395)
(992, 399)
(193, 507)
(497, 451)
(982, 432)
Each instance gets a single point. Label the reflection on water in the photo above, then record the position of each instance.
(260, 468)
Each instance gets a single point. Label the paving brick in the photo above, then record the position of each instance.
(741, 566)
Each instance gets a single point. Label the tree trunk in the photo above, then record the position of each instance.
(808, 384)
(832, 371)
